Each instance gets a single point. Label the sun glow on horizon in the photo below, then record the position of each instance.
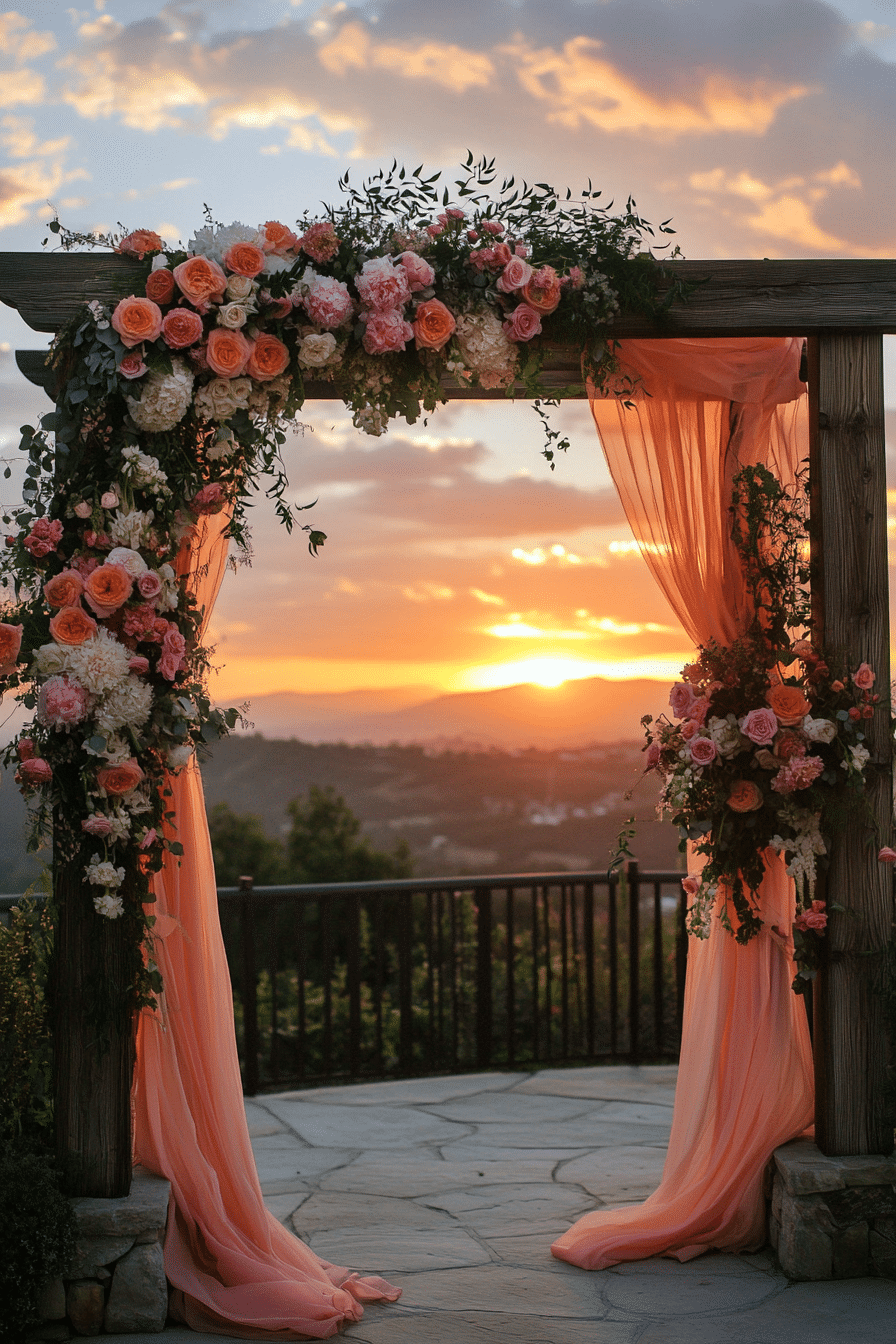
(551, 672)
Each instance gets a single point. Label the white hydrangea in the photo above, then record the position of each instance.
(100, 663)
(130, 560)
(128, 705)
(109, 906)
(214, 243)
(144, 470)
(165, 399)
(101, 873)
(129, 527)
(485, 348)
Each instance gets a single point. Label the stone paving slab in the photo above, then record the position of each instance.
(390, 1250)
(383, 1172)
(346, 1126)
(411, 1091)
(464, 1327)
(586, 1131)
(504, 1108)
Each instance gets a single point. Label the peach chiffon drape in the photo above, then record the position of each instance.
(703, 410)
(233, 1268)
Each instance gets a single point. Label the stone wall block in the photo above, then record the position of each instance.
(144, 1209)
(804, 1249)
(805, 1171)
(850, 1248)
(85, 1303)
(93, 1253)
(51, 1302)
(138, 1300)
(883, 1255)
(866, 1170)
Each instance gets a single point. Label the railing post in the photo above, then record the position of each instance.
(405, 983)
(353, 975)
(634, 980)
(250, 989)
(484, 979)
(588, 950)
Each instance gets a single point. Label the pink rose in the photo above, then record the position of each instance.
(25, 751)
(320, 242)
(96, 824)
(279, 239)
(210, 499)
(886, 855)
(149, 585)
(328, 302)
(863, 677)
(138, 664)
(703, 751)
(745, 796)
(760, 726)
(43, 538)
(681, 698)
(691, 885)
(576, 277)
(653, 755)
(434, 325)
(699, 710)
(33, 773)
(132, 366)
(121, 778)
(10, 645)
(801, 648)
(181, 328)
(523, 324)
(386, 331)
(419, 272)
(493, 227)
(82, 509)
(515, 274)
(814, 918)
(689, 729)
(543, 290)
(139, 243)
(383, 286)
(434, 230)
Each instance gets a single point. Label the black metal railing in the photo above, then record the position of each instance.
(345, 981)
(376, 979)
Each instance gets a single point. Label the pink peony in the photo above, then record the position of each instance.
(419, 272)
(34, 772)
(543, 290)
(515, 274)
(523, 323)
(383, 286)
(863, 677)
(703, 751)
(96, 824)
(576, 277)
(132, 365)
(691, 885)
(139, 622)
(797, 773)
(328, 302)
(760, 726)
(44, 537)
(62, 702)
(386, 331)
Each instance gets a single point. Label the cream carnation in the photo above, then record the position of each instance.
(165, 400)
(100, 663)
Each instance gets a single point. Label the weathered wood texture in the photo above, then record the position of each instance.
(734, 298)
(849, 540)
(93, 1067)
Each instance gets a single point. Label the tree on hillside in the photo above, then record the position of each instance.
(241, 845)
(324, 843)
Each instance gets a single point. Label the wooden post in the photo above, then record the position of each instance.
(93, 1063)
(849, 541)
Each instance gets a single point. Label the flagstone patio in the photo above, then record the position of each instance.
(454, 1188)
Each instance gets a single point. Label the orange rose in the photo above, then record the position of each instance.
(278, 238)
(200, 280)
(543, 291)
(137, 320)
(138, 243)
(64, 589)
(72, 625)
(108, 588)
(745, 796)
(269, 358)
(228, 352)
(788, 704)
(121, 778)
(10, 643)
(160, 286)
(433, 326)
(244, 259)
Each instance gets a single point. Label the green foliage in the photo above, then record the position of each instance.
(39, 1236)
(324, 844)
(241, 845)
(26, 1108)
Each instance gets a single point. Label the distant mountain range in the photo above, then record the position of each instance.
(571, 715)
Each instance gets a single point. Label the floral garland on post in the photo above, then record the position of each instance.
(174, 403)
(765, 749)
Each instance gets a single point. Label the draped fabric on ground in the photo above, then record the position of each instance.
(745, 1073)
(234, 1269)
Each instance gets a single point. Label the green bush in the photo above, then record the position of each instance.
(39, 1235)
(26, 1107)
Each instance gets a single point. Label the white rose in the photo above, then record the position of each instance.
(819, 730)
(232, 315)
(50, 660)
(317, 350)
(132, 561)
(240, 287)
(725, 733)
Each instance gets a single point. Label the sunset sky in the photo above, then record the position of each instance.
(456, 559)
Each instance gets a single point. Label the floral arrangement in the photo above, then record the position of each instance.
(765, 749)
(174, 403)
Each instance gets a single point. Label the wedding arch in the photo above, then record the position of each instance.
(842, 309)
